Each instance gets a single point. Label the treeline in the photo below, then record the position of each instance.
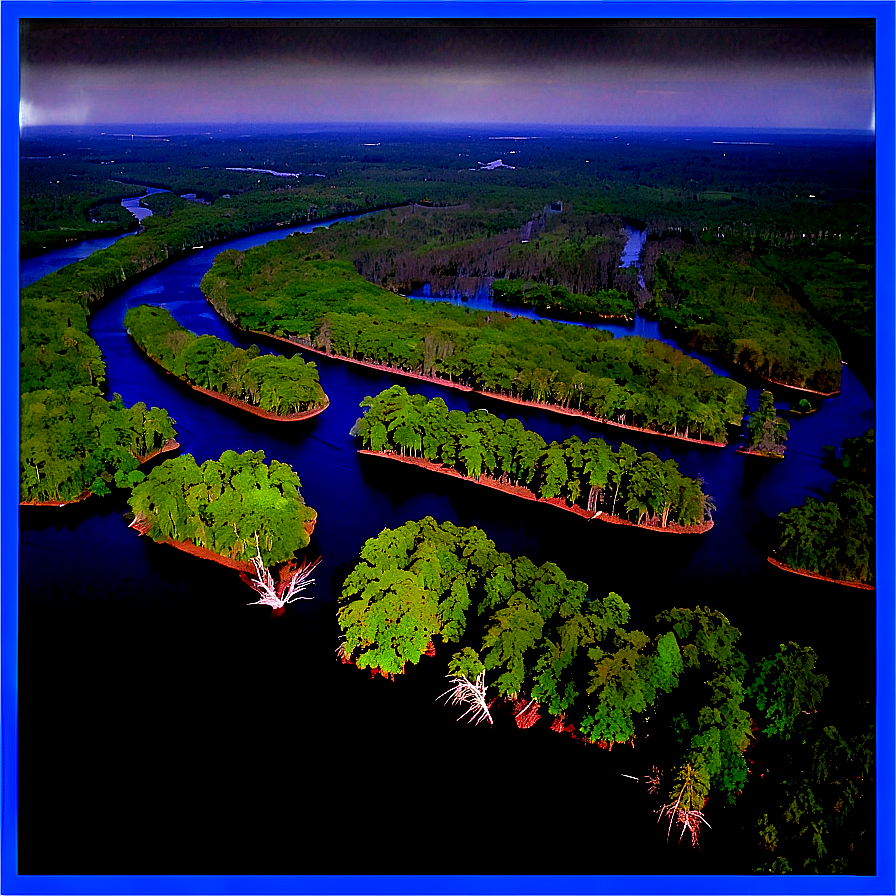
(74, 442)
(273, 383)
(558, 301)
(61, 203)
(718, 303)
(57, 353)
(630, 381)
(541, 641)
(837, 286)
(637, 487)
(222, 505)
(448, 249)
(835, 537)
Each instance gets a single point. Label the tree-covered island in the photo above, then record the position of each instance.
(219, 508)
(588, 478)
(271, 386)
(530, 636)
(766, 431)
(325, 306)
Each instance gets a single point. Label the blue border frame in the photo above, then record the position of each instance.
(885, 880)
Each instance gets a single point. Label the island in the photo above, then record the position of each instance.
(325, 306)
(230, 511)
(767, 432)
(713, 300)
(532, 643)
(268, 386)
(589, 478)
(833, 540)
(558, 301)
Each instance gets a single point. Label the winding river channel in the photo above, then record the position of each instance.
(166, 686)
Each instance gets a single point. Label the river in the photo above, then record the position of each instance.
(147, 685)
(32, 269)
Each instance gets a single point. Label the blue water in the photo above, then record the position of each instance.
(233, 718)
(32, 269)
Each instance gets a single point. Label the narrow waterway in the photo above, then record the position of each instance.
(32, 269)
(166, 686)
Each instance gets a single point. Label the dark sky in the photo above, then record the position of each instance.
(750, 73)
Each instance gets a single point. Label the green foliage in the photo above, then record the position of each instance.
(76, 441)
(222, 505)
(719, 303)
(812, 810)
(480, 443)
(767, 431)
(271, 382)
(423, 569)
(835, 538)
(558, 301)
(785, 686)
(836, 285)
(277, 289)
(539, 637)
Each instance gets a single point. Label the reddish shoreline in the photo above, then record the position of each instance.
(815, 575)
(448, 384)
(187, 547)
(769, 455)
(170, 445)
(239, 403)
(798, 388)
(521, 492)
(243, 566)
(766, 379)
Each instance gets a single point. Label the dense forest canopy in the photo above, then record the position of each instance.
(535, 635)
(223, 505)
(717, 303)
(835, 537)
(74, 441)
(558, 301)
(638, 487)
(280, 289)
(273, 383)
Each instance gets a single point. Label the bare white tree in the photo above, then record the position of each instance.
(465, 691)
(278, 596)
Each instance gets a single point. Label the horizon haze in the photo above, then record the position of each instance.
(765, 74)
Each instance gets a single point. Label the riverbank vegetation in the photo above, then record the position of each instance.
(631, 381)
(223, 505)
(60, 203)
(834, 538)
(715, 302)
(74, 442)
(591, 475)
(533, 637)
(557, 301)
(57, 352)
(766, 431)
(281, 386)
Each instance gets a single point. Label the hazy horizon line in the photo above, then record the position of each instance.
(130, 127)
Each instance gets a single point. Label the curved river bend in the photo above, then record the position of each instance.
(176, 691)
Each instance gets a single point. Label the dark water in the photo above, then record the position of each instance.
(166, 727)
